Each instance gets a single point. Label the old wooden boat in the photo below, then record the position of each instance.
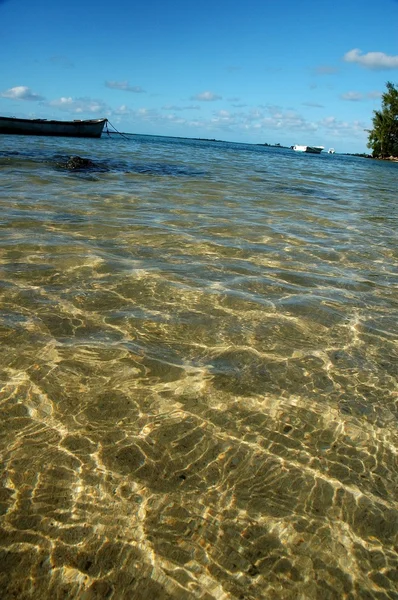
(78, 128)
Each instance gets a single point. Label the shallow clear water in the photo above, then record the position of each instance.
(198, 363)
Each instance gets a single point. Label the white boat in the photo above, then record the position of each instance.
(331, 151)
(77, 128)
(311, 149)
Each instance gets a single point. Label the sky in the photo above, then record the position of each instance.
(259, 71)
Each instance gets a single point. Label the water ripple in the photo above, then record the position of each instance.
(198, 372)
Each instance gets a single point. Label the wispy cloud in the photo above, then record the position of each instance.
(343, 129)
(257, 121)
(174, 107)
(287, 119)
(372, 60)
(375, 93)
(325, 70)
(62, 61)
(206, 97)
(352, 96)
(358, 97)
(122, 110)
(223, 117)
(124, 86)
(79, 105)
(313, 104)
(21, 92)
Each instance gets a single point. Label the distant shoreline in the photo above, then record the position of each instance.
(357, 154)
(363, 155)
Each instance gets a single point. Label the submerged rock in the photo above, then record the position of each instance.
(76, 162)
(84, 165)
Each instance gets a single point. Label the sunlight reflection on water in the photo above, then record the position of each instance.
(199, 372)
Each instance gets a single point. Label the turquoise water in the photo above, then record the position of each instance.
(198, 369)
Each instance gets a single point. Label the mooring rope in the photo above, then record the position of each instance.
(113, 127)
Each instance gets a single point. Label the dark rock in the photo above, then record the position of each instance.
(76, 162)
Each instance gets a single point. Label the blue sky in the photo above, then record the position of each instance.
(288, 72)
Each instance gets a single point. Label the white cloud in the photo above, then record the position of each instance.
(79, 105)
(123, 110)
(21, 92)
(223, 117)
(372, 60)
(250, 123)
(256, 121)
(124, 86)
(206, 97)
(288, 119)
(343, 129)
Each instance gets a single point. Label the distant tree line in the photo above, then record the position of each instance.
(383, 138)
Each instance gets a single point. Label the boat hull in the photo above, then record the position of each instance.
(309, 149)
(89, 128)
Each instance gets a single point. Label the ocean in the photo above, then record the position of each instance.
(198, 364)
